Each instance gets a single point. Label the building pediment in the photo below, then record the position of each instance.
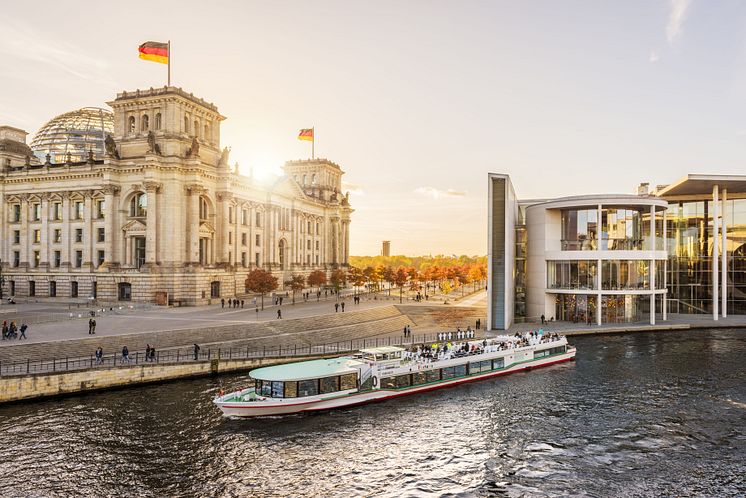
(134, 227)
(206, 228)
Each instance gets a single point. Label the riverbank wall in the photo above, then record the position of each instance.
(27, 387)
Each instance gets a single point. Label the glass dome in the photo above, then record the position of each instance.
(75, 132)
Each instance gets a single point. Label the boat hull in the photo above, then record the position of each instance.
(258, 409)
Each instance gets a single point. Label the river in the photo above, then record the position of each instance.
(645, 414)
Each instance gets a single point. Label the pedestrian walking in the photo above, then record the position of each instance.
(125, 354)
(147, 352)
(152, 353)
(479, 324)
(23, 331)
(336, 307)
(196, 351)
(343, 306)
(99, 355)
(543, 320)
(222, 302)
(5, 329)
(241, 303)
(405, 331)
(279, 314)
(257, 313)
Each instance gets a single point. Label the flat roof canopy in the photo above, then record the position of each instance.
(703, 185)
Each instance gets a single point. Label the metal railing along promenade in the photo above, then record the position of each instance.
(188, 355)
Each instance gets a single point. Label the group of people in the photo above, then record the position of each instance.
(11, 331)
(407, 331)
(149, 354)
(232, 303)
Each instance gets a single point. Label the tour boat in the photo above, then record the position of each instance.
(381, 373)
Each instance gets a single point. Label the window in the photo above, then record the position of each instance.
(57, 235)
(16, 213)
(132, 127)
(230, 238)
(230, 214)
(12, 287)
(498, 363)
(291, 389)
(313, 179)
(16, 259)
(144, 122)
(101, 234)
(202, 209)
(308, 244)
(243, 239)
(78, 210)
(215, 289)
(37, 259)
(31, 288)
(206, 136)
(328, 385)
(304, 179)
(257, 260)
(36, 211)
(579, 229)
(37, 236)
(624, 229)
(78, 235)
(158, 121)
(317, 245)
(78, 259)
(244, 217)
(625, 274)
(73, 289)
(100, 208)
(139, 205)
(572, 274)
(317, 229)
(258, 219)
(258, 240)
(57, 211)
(100, 258)
(308, 387)
(308, 227)
(124, 291)
(16, 236)
(94, 289)
(52, 289)
(277, 389)
(243, 259)
(186, 124)
(317, 259)
(57, 257)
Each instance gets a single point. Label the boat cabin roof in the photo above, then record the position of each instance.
(312, 369)
(382, 350)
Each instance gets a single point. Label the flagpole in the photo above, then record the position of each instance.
(169, 63)
(313, 142)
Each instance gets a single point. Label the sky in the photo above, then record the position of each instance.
(417, 101)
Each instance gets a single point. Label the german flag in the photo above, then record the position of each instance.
(154, 51)
(306, 134)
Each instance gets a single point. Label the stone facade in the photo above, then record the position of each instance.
(163, 211)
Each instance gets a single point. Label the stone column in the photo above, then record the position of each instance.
(44, 250)
(151, 230)
(223, 227)
(715, 251)
(193, 219)
(65, 256)
(724, 262)
(88, 236)
(110, 209)
(335, 240)
(25, 243)
(652, 265)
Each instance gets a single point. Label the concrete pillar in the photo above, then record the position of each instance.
(724, 262)
(151, 230)
(665, 266)
(715, 250)
(652, 265)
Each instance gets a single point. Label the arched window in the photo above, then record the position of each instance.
(186, 124)
(144, 123)
(313, 179)
(196, 128)
(202, 208)
(132, 127)
(158, 121)
(304, 179)
(207, 132)
(139, 205)
(282, 253)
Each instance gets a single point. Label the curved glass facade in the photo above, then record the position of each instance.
(75, 133)
(621, 228)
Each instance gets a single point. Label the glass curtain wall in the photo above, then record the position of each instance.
(575, 308)
(625, 229)
(579, 229)
(625, 274)
(571, 274)
(624, 309)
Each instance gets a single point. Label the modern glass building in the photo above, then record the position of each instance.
(618, 258)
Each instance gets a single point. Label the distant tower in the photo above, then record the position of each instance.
(386, 249)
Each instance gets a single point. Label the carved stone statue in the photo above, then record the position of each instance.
(111, 147)
(193, 151)
(224, 156)
(152, 146)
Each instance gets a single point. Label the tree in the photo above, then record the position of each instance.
(370, 275)
(356, 277)
(260, 281)
(317, 278)
(400, 278)
(388, 276)
(297, 283)
(338, 279)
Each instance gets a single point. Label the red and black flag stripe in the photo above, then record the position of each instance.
(154, 51)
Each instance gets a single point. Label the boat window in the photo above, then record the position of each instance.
(560, 349)
(403, 381)
(486, 366)
(257, 386)
(308, 387)
(419, 378)
(388, 383)
(475, 367)
(291, 389)
(277, 389)
(448, 373)
(460, 370)
(368, 384)
(328, 385)
(432, 375)
(498, 363)
(266, 388)
(348, 381)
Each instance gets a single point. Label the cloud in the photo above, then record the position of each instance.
(676, 18)
(437, 193)
(353, 188)
(654, 57)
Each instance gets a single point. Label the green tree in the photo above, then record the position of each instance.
(260, 281)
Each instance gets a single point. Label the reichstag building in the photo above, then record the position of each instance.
(142, 204)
